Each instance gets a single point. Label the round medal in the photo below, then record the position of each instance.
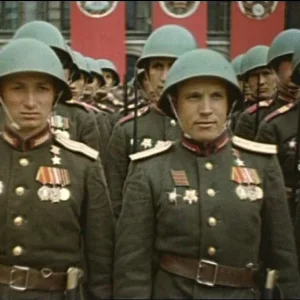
(44, 193)
(241, 192)
(54, 194)
(252, 192)
(259, 192)
(64, 194)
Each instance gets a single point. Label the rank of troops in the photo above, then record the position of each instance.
(180, 184)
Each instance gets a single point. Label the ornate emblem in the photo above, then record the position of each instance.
(257, 10)
(179, 9)
(190, 196)
(97, 9)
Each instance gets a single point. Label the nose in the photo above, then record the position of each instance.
(30, 100)
(205, 107)
(164, 74)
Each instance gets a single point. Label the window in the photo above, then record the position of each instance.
(292, 13)
(138, 16)
(13, 14)
(218, 17)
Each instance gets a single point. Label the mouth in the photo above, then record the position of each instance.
(205, 124)
(30, 115)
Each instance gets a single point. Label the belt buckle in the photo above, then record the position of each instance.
(14, 270)
(206, 282)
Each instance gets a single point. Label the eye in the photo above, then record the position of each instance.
(217, 95)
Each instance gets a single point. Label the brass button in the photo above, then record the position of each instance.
(20, 191)
(208, 166)
(17, 251)
(24, 162)
(212, 222)
(211, 251)
(173, 123)
(211, 192)
(18, 221)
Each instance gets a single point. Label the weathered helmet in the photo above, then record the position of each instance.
(82, 65)
(296, 64)
(31, 55)
(95, 69)
(236, 64)
(199, 63)
(49, 34)
(282, 45)
(108, 65)
(169, 41)
(256, 57)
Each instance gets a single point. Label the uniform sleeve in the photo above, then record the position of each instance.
(278, 245)
(245, 127)
(88, 130)
(104, 131)
(266, 134)
(98, 234)
(117, 166)
(135, 239)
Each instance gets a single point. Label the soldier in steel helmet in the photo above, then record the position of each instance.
(262, 85)
(71, 118)
(149, 126)
(211, 207)
(279, 58)
(58, 206)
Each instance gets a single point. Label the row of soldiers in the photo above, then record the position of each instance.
(155, 190)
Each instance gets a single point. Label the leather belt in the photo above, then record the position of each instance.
(209, 273)
(22, 278)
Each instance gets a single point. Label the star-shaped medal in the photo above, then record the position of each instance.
(56, 160)
(146, 143)
(239, 162)
(55, 150)
(190, 196)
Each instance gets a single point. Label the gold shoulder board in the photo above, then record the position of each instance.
(77, 146)
(254, 146)
(151, 152)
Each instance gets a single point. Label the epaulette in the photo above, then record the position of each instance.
(281, 110)
(253, 108)
(78, 104)
(152, 152)
(105, 108)
(142, 111)
(76, 146)
(254, 146)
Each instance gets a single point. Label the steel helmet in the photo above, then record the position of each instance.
(95, 69)
(31, 55)
(108, 65)
(169, 41)
(199, 63)
(236, 64)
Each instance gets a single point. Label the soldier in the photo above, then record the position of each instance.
(211, 206)
(281, 128)
(58, 199)
(151, 126)
(70, 118)
(262, 84)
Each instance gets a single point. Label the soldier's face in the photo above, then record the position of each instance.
(284, 72)
(29, 98)
(109, 78)
(202, 107)
(91, 88)
(262, 83)
(77, 86)
(157, 73)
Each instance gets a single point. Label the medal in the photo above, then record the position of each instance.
(190, 196)
(241, 192)
(44, 193)
(259, 192)
(54, 194)
(251, 191)
(65, 134)
(64, 194)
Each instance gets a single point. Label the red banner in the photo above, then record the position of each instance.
(98, 30)
(189, 14)
(255, 23)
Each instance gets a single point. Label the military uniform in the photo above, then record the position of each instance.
(188, 202)
(153, 127)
